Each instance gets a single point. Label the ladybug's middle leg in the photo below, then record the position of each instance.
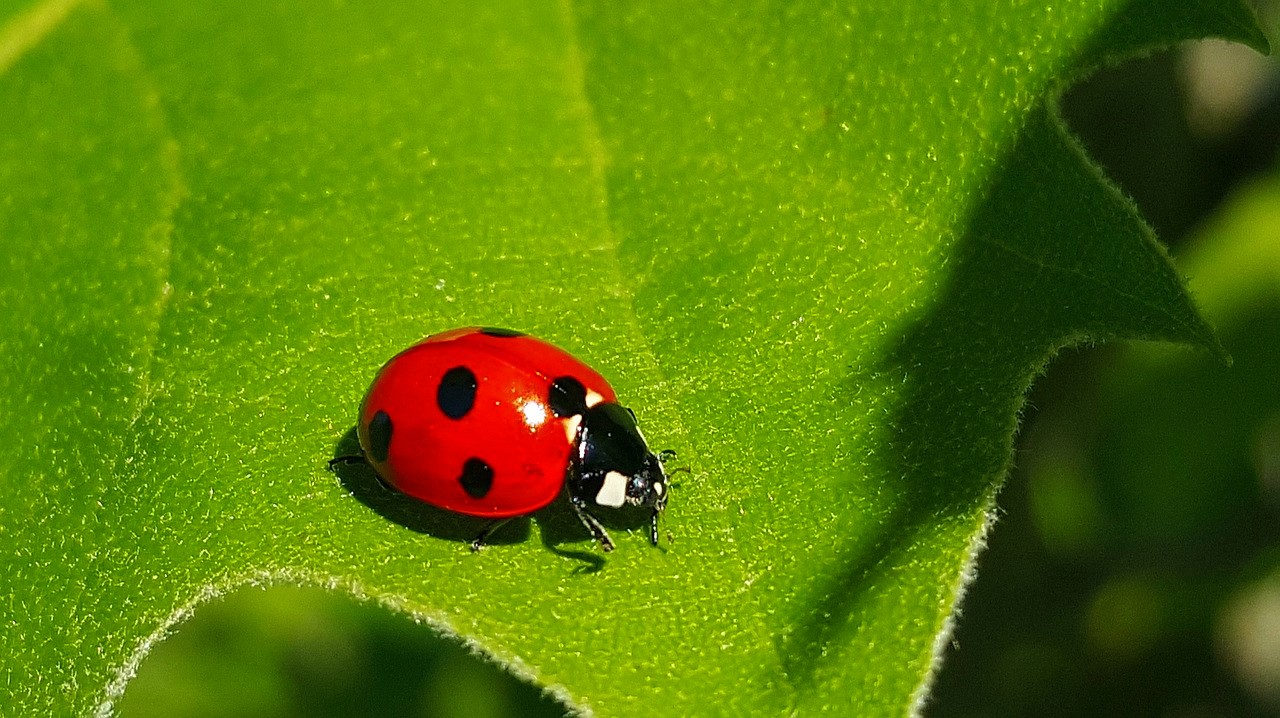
(479, 541)
(592, 524)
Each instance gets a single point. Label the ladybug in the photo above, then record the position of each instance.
(495, 423)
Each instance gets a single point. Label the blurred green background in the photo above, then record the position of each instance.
(1135, 569)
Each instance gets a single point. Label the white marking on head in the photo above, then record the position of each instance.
(535, 413)
(614, 491)
(571, 427)
(658, 488)
(593, 398)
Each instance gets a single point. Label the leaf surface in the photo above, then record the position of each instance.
(820, 249)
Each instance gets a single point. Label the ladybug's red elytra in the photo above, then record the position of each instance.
(497, 424)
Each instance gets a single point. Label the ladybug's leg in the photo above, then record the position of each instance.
(479, 541)
(337, 461)
(580, 508)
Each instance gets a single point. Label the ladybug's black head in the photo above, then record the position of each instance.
(615, 466)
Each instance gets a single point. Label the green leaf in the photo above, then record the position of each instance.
(1185, 444)
(821, 250)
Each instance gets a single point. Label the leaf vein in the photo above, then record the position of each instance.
(1090, 279)
(27, 29)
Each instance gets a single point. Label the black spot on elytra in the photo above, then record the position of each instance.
(567, 397)
(500, 332)
(457, 392)
(380, 435)
(476, 478)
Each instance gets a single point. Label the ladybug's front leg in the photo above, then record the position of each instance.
(480, 540)
(592, 524)
(574, 491)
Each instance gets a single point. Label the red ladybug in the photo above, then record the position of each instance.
(494, 423)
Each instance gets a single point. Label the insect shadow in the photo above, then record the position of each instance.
(557, 523)
(363, 483)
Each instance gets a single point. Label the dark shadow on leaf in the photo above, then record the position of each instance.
(1031, 273)
(363, 483)
(558, 526)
